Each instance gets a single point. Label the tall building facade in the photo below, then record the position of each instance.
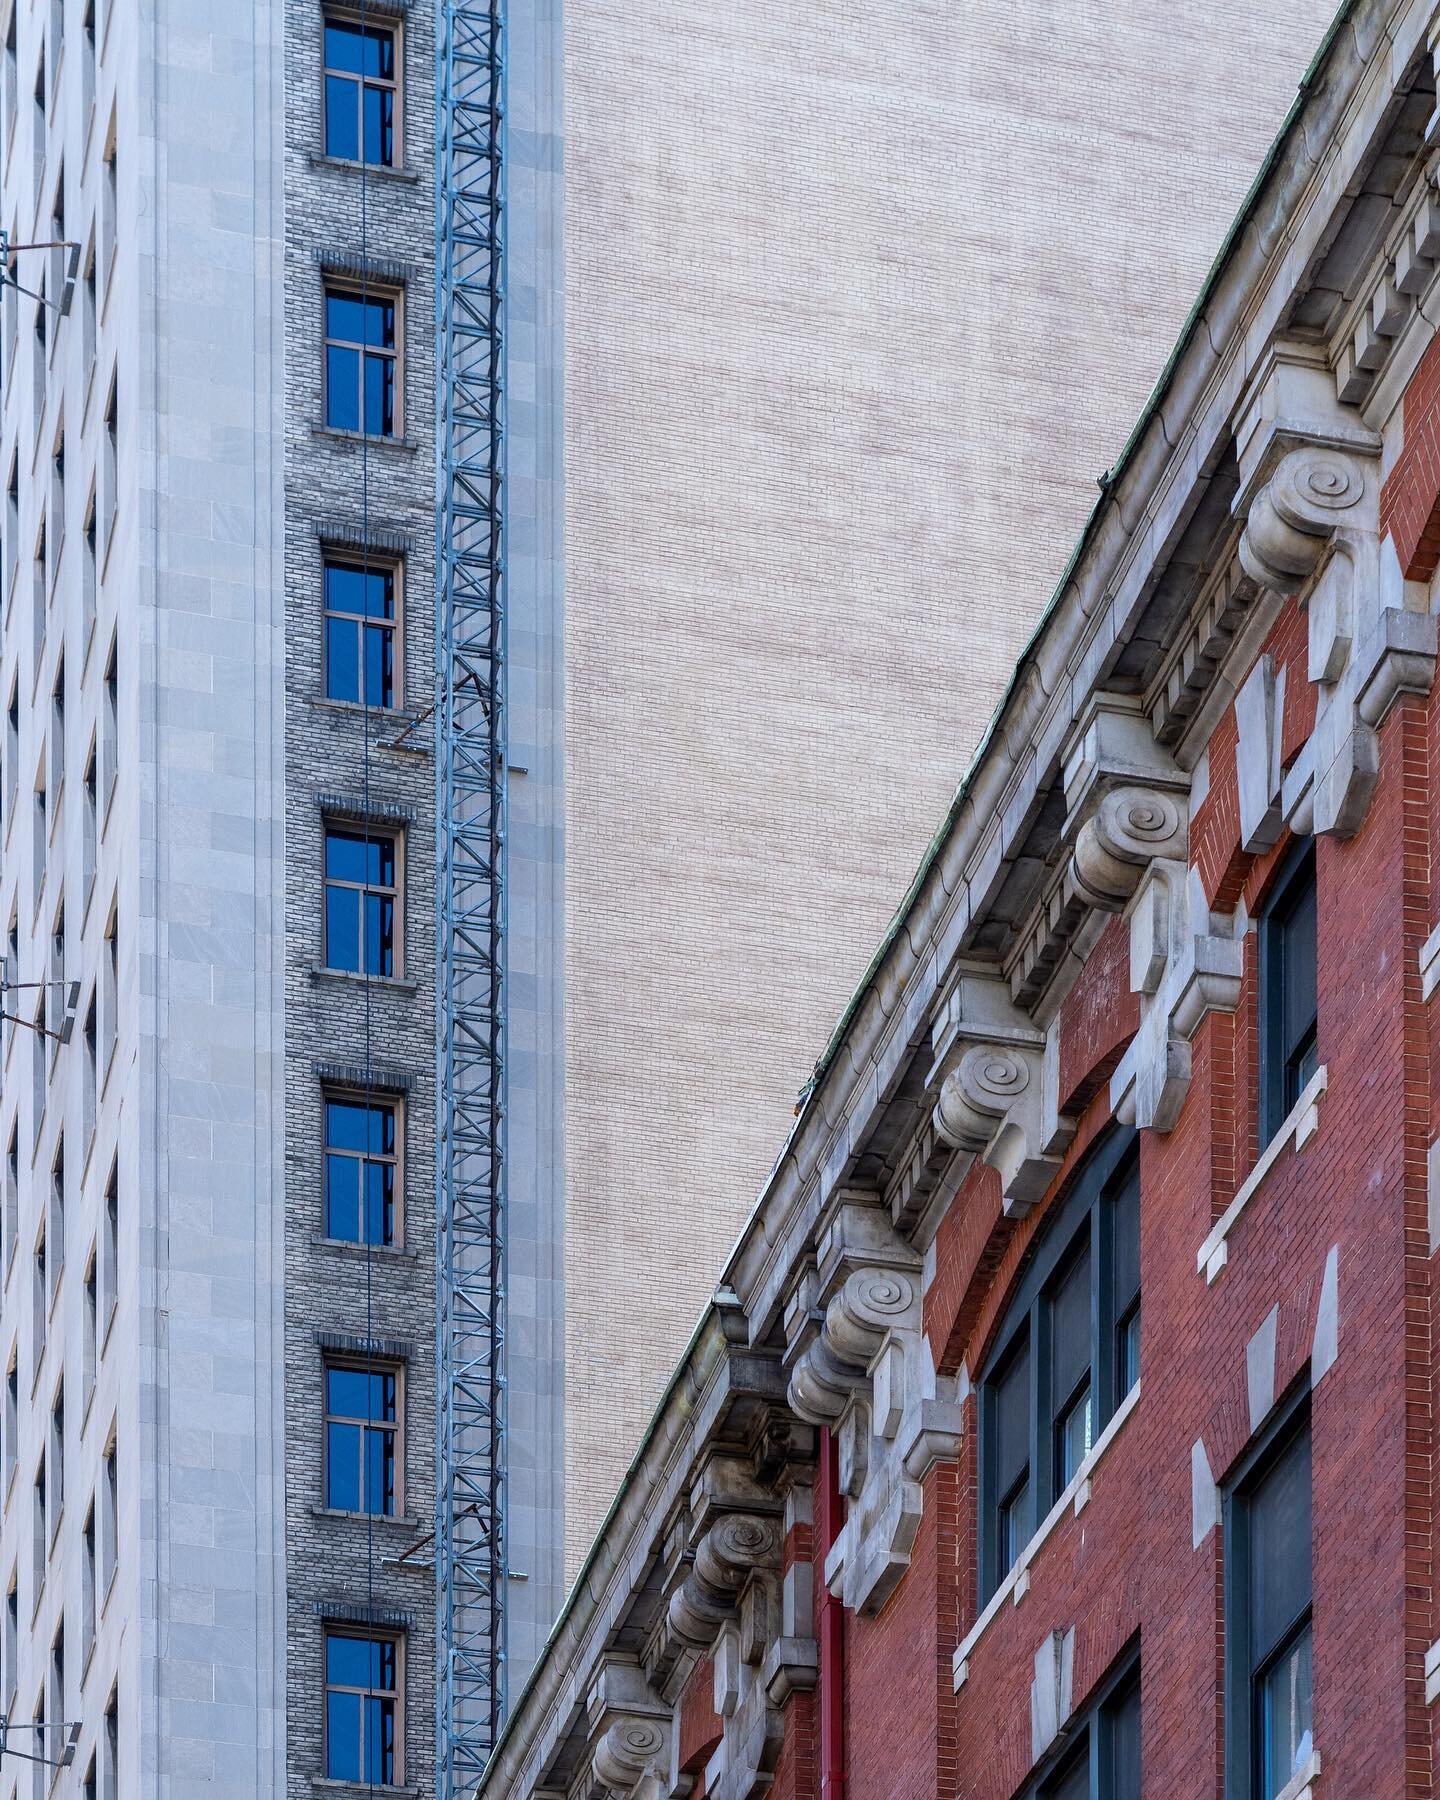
(1063, 1426)
(761, 565)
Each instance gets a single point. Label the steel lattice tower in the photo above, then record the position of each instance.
(470, 1539)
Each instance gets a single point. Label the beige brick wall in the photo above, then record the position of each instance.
(859, 301)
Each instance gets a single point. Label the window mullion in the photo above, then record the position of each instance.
(1102, 1314)
(1042, 1423)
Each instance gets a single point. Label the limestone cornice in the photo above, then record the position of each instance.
(630, 1737)
(991, 1098)
(1311, 506)
(1389, 319)
(1188, 676)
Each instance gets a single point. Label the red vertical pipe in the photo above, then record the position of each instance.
(830, 1632)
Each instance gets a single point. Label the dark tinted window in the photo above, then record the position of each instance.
(1269, 1674)
(1067, 1354)
(1289, 1042)
(1100, 1755)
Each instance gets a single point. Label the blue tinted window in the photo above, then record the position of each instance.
(342, 124)
(360, 79)
(360, 1167)
(342, 1737)
(359, 634)
(355, 856)
(360, 363)
(379, 126)
(342, 388)
(342, 1198)
(345, 48)
(360, 1682)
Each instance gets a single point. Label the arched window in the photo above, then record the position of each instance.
(1067, 1355)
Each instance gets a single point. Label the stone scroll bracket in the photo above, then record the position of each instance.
(994, 1100)
(631, 1737)
(730, 1598)
(1310, 499)
(1185, 962)
(860, 1364)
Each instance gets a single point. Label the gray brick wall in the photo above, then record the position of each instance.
(334, 484)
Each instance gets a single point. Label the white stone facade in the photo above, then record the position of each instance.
(163, 121)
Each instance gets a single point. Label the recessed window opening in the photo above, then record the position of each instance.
(361, 900)
(362, 1438)
(1289, 1013)
(1067, 1354)
(360, 625)
(361, 90)
(362, 1158)
(361, 361)
(362, 1708)
(1268, 1589)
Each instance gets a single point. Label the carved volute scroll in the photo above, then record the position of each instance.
(1129, 829)
(860, 1363)
(631, 1737)
(730, 1599)
(1317, 495)
(992, 1099)
(737, 1547)
(1313, 529)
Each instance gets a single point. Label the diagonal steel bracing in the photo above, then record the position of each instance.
(470, 772)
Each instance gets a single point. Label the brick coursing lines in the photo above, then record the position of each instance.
(330, 487)
(1412, 722)
(1410, 499)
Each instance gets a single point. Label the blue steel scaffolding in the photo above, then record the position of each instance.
(470, 1537)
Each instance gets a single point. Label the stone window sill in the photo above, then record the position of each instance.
(395, 984)
(1016, 1584)
(381, 171)
(406, 1522)
(400, 721)
(347, 1247)
(1301, 1124)
(338, 435)
(362, 1790)
(1301, 1785)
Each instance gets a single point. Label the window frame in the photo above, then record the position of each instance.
(367, 562)
(394, 835)
(393, 1369)
(1084, 1213)
(370, 1635)
(394, 28)
(346, 287)
(1096, 1720)
(1244, 1778)
(1278, 1060)
(348, 1096)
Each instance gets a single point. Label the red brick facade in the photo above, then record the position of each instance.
(1360, 1185)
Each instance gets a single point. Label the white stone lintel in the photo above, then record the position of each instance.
(1432, 1673)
